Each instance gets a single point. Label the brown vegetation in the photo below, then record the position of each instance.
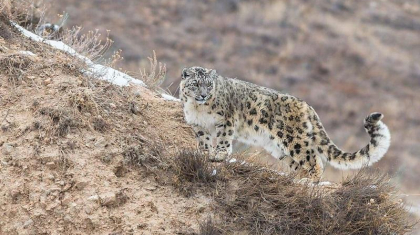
(261, 201)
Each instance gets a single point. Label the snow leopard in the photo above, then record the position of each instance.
(222, 109)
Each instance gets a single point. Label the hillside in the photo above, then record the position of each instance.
(346, 59)
(81, 155)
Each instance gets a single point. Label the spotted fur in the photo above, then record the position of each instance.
(225, 109)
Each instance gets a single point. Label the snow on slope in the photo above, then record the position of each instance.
(96, 70)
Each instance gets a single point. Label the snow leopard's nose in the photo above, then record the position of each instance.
(203, 96)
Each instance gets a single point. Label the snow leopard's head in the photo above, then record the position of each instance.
(198, 83)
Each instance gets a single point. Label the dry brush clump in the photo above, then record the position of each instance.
(61, 119)
(15, 65)
(262, 201)
(265, 202)
(193, 170)
(156, 74)
(208, 227)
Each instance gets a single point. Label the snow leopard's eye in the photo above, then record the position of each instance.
(209, 85)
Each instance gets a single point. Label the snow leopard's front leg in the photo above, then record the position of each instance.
(224, 137)
(204, 139)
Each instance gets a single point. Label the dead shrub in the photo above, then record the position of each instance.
(148, 156)
(5, 32)
(194, 167)
(15, 66)
(264, 202)
(193, 171)
(5, 8)
(63, 121)
(83, 100)
(156, 74)
(89, 44)
(65, 125)
(99, 124)
(207, 227)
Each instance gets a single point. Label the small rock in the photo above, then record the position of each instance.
(38, 212)
(120, 171)
(108, 199)
(52, 206)
(107, 158)
(80, 185)
(28, 223)
(142, 226)
(150, 188)
(100, 142)
(51, 165)
(47, 81)
(93, 198)
(91, 138)
(14, 193)
(5, 127)
(134, 108)
(112, 105)
(51, 177)
(67, 219)
(88, 224)
(7, 149)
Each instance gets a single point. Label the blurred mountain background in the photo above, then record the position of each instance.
(345, 58)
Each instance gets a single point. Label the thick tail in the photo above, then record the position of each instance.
(371, 153)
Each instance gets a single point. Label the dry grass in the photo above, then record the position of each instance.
(156, 74)
(261, 201)
(208, 227)
(62, 120)
(15, 65)
(5, 8)
(5, 32)
(147, 155)
(88, 44)
(264, 202)
(193, 166)
(193, 171)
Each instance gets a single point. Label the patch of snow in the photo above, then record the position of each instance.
(96, 70)
(111, 75)
(325, 183)
(170, 98)
(214, 172)
(26, 53)
(28, 33)
(232, 160)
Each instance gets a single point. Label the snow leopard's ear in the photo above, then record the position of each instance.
(184, 74)
(213, 74)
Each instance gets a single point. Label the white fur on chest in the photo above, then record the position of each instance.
(196, 114)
